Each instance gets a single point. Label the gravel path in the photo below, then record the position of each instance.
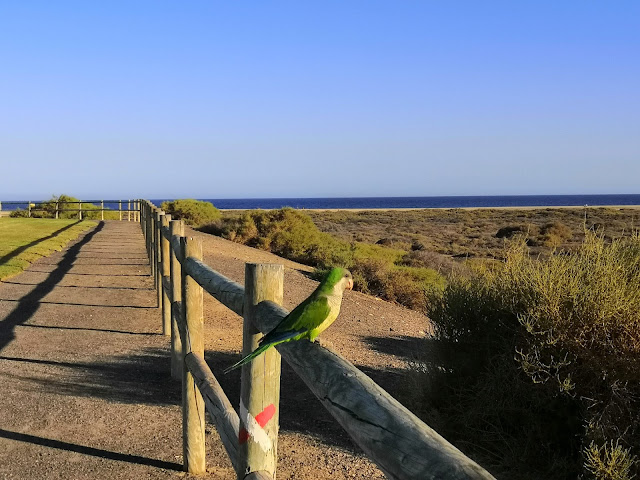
(84, 371)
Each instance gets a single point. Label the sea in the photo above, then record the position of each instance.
(424, 202)
(400, 202)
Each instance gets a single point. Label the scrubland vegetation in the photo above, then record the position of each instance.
(534, 368)
(536, 364)
(476, 233)
(386, 272)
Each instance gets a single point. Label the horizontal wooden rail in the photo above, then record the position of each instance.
(227, 292)
(63, 202)
(36, 209)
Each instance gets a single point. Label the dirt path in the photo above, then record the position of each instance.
(84, 372)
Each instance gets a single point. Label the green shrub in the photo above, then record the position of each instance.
(292, 234)
(19, 213)
(543, 358)
(192, 212)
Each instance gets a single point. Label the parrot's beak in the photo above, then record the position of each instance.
(350, 284)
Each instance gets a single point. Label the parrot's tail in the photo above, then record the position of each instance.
(249, 357)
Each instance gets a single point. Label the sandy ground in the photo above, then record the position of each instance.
(84, 370)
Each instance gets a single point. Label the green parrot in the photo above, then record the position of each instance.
(310, 318)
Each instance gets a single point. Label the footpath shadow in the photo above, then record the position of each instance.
(95, 452)
(143, 378)
(30, 303)
(14, 253)
(9, 282)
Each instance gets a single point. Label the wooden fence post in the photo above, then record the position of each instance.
(192, 402)
(143, 226)
(57, 216)
(176, 228)
(29, 209)
(120, 209)
(165, 284)
(158, 257)
(80, 210)
(101, 209)
(152, 238)
(147, 232)
(150, 220)
(129, 211)
(260, 385)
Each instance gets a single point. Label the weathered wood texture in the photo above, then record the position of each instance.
(401, 444)
(166, 281)
(176, 228)
(222, 413)
(158, 259)
(178, 312)
(220, 287)
(260, 383)
(193, 342)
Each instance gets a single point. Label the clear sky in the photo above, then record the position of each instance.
(237, 99)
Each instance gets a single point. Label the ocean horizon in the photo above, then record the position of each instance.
(424, 202)
(475, 201)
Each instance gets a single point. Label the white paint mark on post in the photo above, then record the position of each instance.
(254, 429)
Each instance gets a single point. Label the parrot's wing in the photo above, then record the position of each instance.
(279, 337)
(306, 316)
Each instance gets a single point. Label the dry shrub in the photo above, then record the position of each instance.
(528, 230)
(554, 234)
(542, 357)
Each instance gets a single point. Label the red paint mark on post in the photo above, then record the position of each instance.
(261, 419)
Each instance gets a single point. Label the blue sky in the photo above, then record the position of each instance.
(213, 99)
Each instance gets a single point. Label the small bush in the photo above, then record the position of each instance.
(19, 213)
(528, 230)
(192, 212)
(554, 234)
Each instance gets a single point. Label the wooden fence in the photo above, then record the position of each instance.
(400, 444)
(55, 207)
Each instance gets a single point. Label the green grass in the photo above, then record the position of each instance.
(24, 240)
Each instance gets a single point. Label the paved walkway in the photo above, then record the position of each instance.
(85, 390)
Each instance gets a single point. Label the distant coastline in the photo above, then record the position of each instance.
(410, 203)
(407, 203)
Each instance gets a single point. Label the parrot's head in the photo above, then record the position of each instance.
(339, 279)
